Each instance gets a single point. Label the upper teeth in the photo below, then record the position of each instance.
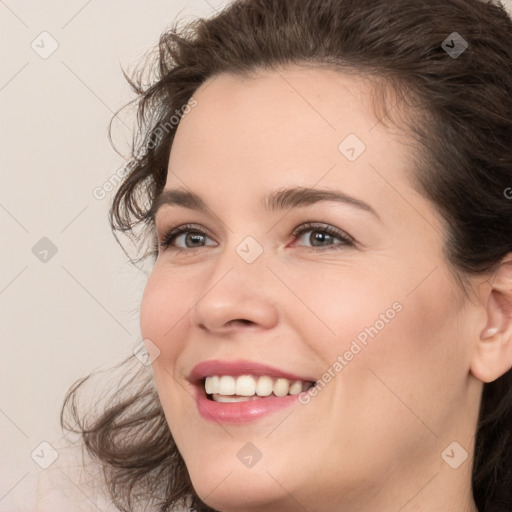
(248, 385)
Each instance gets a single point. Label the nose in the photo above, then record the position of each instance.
(236, 298)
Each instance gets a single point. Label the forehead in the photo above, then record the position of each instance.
(279, 111)
(297, 125)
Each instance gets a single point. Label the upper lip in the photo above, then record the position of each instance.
(240, 367)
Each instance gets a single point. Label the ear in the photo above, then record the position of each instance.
(493, 354)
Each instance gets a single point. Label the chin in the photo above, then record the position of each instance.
(230, 487)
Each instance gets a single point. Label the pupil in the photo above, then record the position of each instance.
(320, 237)
(193, 238)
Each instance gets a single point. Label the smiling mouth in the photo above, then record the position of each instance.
(243, 388)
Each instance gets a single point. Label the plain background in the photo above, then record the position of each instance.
(78, 311)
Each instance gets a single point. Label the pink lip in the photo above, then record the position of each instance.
(239, 412)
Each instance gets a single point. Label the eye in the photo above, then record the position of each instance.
(189, 234)
(193, 237)
(322, 236)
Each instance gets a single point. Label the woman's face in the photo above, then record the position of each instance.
(368, 309)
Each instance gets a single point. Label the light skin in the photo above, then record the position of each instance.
(372, 439)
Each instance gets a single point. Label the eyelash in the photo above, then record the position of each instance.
(171, 235)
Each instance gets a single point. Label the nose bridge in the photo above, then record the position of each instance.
(243, 263)
(236, 289)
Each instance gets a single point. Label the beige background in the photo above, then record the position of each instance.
(78, 311)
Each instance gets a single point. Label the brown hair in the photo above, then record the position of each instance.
(464, 167)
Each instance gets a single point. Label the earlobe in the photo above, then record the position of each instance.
(493, 353)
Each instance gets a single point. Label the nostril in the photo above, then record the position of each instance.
(242, 321)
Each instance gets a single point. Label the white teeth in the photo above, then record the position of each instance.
(295, 388)
(228, 399)
(264, 386)
(211, 384)
(245, 387)
(226, 385)
(281, 387)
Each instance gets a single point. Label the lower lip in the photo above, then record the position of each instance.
(240, 412)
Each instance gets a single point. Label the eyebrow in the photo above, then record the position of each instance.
(274, 201)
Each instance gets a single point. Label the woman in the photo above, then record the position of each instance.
(327, 186)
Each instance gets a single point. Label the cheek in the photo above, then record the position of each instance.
(385, 346)
(342, 308)
(163, 313)
(398, 382)
(162, 320)
(414, 369)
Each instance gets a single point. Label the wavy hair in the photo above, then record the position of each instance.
(458, 108)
